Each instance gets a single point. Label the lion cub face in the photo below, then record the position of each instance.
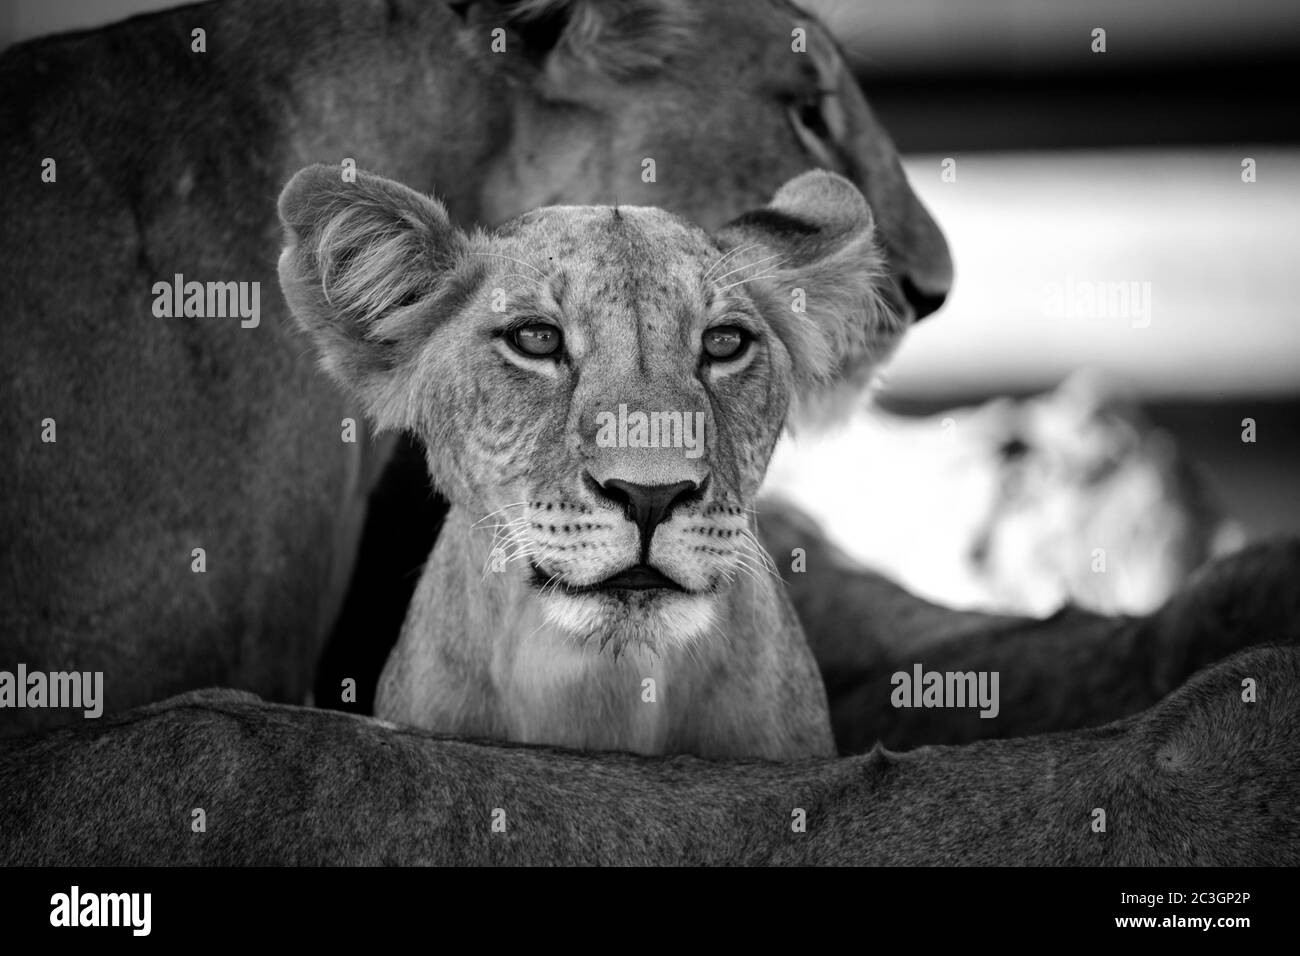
(632, 391)
(600, 389)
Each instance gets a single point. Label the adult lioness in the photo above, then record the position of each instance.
(1203, 778)
(179, 509)
(606, 385)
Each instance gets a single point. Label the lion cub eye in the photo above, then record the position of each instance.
(536, 339)
(725, 342)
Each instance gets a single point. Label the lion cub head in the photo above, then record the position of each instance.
(601, 387)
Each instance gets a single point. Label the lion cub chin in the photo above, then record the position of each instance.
(600, 390)
(653, 619)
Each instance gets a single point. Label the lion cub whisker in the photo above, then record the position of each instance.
(750, 279)
(751, 265)
(497, 255)
(494, 513)
(728, 255)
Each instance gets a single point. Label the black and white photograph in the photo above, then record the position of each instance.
(650, 433)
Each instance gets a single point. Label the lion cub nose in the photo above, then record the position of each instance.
(648, 506)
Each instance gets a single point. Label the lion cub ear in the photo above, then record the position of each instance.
(818, 275)
(363, 266)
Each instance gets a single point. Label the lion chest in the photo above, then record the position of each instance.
(554, 691)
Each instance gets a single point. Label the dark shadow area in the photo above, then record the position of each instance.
(1224, 101)
(404, 518)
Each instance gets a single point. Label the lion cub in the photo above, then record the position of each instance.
(600, 390)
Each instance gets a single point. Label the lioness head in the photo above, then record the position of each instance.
(701, 109)
(603, 386)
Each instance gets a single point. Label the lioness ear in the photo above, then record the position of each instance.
(810, 258)
(363, 267)
(576, 46)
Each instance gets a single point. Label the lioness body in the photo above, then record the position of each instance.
(176, 434)
(1203, 778)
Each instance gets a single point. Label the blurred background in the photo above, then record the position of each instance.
(1076, 178)
(1076, 168)
(1099, 219)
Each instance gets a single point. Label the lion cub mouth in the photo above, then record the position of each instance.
(638, 577)
(639, 606)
